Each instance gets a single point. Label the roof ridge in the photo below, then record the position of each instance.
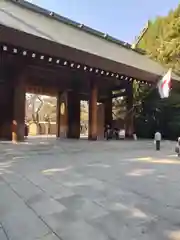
(80, 26)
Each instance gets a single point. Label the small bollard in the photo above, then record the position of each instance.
(177, 147)
(157, 138)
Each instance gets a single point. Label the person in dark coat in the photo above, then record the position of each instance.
(26, 130)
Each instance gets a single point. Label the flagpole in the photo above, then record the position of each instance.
(152, 89)
(170, 70)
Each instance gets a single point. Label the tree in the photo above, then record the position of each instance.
(33, 106)
(162, 40)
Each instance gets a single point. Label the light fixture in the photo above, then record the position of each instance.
(122, 77)
(85, 68)
(24, 53)
(4, 48)
(72, 64)
(102, 72)
(126, 78)
(90, 69)
(112, 75)
(57, 61)
(14, 50)
(97, 70)
(50, 59)
(117, 75)
(33, 55)
(78, 66)
(107, 73)
(42, 57)
(65, 63)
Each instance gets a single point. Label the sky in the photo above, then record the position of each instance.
(123, 19)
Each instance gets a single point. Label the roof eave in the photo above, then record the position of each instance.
(77, 25)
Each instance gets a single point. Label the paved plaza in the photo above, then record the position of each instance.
(80, 190)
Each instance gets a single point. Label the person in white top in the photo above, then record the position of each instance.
(157, 138)
(122, 133)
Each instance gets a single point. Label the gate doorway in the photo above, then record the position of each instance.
(41, 115)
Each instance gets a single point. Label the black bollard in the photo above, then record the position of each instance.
(158, 145)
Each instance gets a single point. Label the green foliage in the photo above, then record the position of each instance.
(162, 43)
(159, 114)
(162, 40)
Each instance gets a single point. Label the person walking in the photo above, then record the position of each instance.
(107, 132)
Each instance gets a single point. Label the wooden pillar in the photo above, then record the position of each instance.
(108, 110)
(6, 99)
(18, 123)
(12, 99)
(58, 115)
(70, 115)
(73, 115)
(130, 111)
(63, 126)
(93, 111)
(6, 107)
(12, 105)
(100, 121)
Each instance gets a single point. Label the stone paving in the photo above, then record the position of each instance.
(80, 190)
